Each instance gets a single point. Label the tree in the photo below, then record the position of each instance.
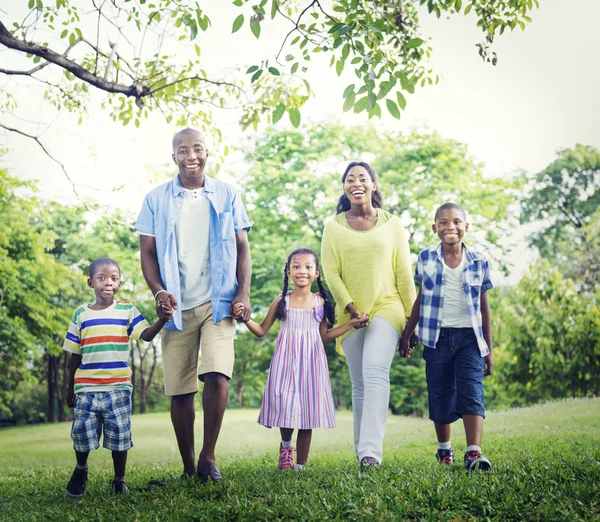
(380, 40)
(563, 198)
(33, 290)
(547, 338)
(294, 182)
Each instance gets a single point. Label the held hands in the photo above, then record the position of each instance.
(238, 312)
(166, 304)
(407, 345)
(359, 320)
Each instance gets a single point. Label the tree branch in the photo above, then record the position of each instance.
(37, 140)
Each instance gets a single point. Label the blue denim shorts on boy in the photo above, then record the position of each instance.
(454, 372)
(97, 411)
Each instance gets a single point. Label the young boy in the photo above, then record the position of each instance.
(453, 316)
(100, 385)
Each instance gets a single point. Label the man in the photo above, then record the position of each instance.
(196, 260)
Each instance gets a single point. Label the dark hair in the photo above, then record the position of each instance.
(96, 264)
(281, 312)
(376, 199)
(447, 206)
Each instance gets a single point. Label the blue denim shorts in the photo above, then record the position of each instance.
(454, 373)
(95, 412)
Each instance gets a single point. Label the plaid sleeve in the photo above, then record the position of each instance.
(72, 342)
(137, 323)
(486, 282)
(419, 269)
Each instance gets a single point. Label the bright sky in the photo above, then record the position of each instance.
(542, 96)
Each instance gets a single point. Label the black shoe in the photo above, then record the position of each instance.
(119, 487)
(208, 470)
(76, 485)
(445, 456)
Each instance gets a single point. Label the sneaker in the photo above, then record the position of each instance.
(119, 487)
(475, 460)
(445, 456)
(369, 462)
(286, 457)
(76, 485)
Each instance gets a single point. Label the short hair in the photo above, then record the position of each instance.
(96, 264)
(450, 205)
(185, 131)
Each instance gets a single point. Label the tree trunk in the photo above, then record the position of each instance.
(51, 388)
(61, 382)
(240, 393)
(133, 379)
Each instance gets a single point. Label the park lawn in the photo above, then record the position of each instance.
(546, 467)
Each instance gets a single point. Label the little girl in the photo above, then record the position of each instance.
(298, 392)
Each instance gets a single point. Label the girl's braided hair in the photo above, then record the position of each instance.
(281, 312)
(376, 199)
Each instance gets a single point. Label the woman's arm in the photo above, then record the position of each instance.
(404, 277)
(334, 333)
(332, 271)
(260, 330)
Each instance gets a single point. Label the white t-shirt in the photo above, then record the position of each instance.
(192, 235)
(456, 310)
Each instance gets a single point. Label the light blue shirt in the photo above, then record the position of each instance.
(158, 217)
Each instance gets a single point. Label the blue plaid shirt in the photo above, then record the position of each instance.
(429, 273)
(157, 218)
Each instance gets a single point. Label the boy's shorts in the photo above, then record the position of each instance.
(104, 410)
(180, 350)
(454, 372)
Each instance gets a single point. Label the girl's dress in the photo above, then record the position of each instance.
(298, 391)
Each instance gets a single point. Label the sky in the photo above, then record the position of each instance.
(542, 96)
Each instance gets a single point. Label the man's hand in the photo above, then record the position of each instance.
(238, 314)
(488, 364)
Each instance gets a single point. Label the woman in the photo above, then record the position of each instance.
(366, 261)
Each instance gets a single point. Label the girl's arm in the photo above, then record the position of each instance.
(409, 330)
(260, 330)
(334, 333)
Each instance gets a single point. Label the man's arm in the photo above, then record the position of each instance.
(151, 270)
(486, 322)
(243, 273)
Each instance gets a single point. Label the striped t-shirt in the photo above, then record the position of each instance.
(102, 337)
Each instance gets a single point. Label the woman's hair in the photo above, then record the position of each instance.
(376, 199)
(281, 312)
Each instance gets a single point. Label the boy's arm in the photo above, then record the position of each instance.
(260, 330)
(152, 331)
(486, 322)
(75, 363)
(409, 330)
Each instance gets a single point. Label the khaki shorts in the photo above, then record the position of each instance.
(180, 350)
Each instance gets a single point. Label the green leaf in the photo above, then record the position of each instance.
(237, 23)
(375, 111)
(414, 42)
(349, 90)
(193, 29)
(458, 5)
(468, 9)
(274, 71)
(401, 100)
(278, 113)
(252, 69)
(289, 57)
(339, 67)
(294, 68)
(273, 8)
(239, 3)
(349, 103)
(361, 105)
(345, 51)
(31, 4)
(64, 33)
(371, 100)
(255, 29)
(256, 76)
(393, 109)
(294, 115)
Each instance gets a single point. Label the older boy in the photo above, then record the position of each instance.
(453, 316)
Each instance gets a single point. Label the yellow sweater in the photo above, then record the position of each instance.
(370, 268)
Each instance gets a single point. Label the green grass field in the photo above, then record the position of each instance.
(546, 467)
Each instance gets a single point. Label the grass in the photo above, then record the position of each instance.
(546, 467)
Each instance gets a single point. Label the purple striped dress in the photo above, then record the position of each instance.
(298, 391)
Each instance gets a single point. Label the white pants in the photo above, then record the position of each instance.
(369, 353)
